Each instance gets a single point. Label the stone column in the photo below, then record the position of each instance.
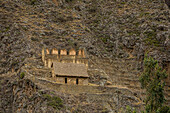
(43, 55)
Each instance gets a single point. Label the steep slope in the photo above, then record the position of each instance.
(105, 29)
(26, 28)
(116, 35)
(24, 96)
(125, 28)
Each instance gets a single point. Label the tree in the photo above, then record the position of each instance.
(152, 79)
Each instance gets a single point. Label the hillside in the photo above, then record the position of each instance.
(116, 34)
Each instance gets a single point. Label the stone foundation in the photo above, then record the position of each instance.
(71, 80)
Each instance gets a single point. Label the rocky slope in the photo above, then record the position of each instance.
(105, 29)
(113, 29)
(23, 96)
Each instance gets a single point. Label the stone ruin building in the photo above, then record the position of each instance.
(68, 66)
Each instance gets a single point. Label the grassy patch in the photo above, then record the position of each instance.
(150, 34)
(123, 3)
(69, 0)
(104, 38)
(150, 38)
(151, 41)
(134, 32)
(34, 39)
(137, 24)
(144, 14)
(33, 2)
(22, 75)
(5, 30)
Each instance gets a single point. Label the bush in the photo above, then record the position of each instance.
(130, 110)
(33, 2)
(164, 109)
(34, 39)
(22, 75)
(54, 101)
(69, 0)
(152, 79)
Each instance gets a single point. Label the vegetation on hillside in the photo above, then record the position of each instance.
(152, 79)
(54, 101)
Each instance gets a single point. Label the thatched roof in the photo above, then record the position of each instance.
(70, 69)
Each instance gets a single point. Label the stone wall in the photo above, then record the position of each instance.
(72, 52)
(83, 81)
(63, 52)
(114, 96)
(55, 51)
(82, 61)
(80, 52)
(68, 60)
(64, 56)
(70, 80)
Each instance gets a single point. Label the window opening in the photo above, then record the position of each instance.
(65, 80)
(77, 81)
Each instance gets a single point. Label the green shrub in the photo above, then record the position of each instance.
(54, 101)
(123, 2)
(104, 39)
(151, 38)
(48, 97)
(130, 110)
(164, 109)
(33, 2)
(152, 80)
(22, 75)
(34, 39)
(69, 0)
